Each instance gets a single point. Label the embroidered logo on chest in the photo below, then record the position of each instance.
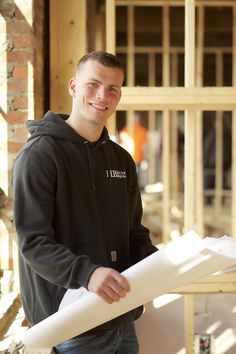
(116, 174)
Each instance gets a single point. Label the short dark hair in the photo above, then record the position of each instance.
(104, 58)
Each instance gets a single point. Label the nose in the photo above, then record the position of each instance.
(101, 92)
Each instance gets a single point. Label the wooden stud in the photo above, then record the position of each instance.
(219, 142)
(189, 157)
(151, 121)
(67, 19)
(166, 131)
(174, 158)
(130, 66)
(174, 2)
(233, 214)
(199, 125)
(111, 48)
(189, 322)
(178, 98)
(110, 26)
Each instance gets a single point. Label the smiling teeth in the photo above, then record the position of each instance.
(98, 107)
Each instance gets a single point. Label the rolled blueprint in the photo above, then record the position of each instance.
(182, 261)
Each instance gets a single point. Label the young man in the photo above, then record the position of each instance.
(78, 210)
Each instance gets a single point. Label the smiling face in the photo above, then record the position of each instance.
(96, 92)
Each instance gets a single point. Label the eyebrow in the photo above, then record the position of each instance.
(99, 82)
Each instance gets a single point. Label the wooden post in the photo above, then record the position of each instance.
(189, 152)
(233, 225)
(152, 171)
(175, 161)
(199, 128)
(189, 156)
(130, 66)
(111, 48)
(67, 19)
(189, 322)
(166, 130)
(219, 140)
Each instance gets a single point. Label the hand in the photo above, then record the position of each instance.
(109, 284)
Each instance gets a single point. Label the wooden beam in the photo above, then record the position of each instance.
(174, 2)
(199, 125)
(178, 98)
(111, 48)
(212, 284)
(233, 177)
(189, 156)
(178, 50)
(67, 20)
(189, 322)
(166, 130)
(152, 171)
(110, 26)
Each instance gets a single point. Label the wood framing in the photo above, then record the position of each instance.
(67, 28)
(178, 98)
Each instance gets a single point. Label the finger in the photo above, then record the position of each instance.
(108, 295)
(117, 288)
(123, 282)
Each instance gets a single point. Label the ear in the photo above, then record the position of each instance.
(72, 87)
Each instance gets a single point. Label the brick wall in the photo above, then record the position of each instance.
(17, 43)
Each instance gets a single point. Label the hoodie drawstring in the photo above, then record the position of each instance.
(106, 162)
(90, 165)
(90, 162)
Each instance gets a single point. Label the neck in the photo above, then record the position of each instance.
(87, 130)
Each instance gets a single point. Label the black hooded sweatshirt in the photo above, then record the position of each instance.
(77, 206)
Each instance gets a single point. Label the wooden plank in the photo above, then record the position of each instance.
(189, 156)
(178, 98)
(111, 48)
(54, 54)
(166, 130)
(219, 141)
(69, 22)
(110, 26)
(178, 50)
(222, 283)
(189, 322)
(189, 134)
(233, 213)
(151, 121)
(173, 2)
(130, 47)
(174, 158)
(207, 288)
(199, 125)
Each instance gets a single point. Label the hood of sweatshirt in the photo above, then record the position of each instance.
(53, 124)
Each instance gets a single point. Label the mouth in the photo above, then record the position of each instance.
(98, 107)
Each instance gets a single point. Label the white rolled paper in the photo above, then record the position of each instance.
(184, 260)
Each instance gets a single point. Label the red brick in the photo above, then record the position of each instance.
(20, 72)
(20, 102)
(14, 147)
(23, 41)
(26, 14)
(18, 57)
(8, 10)
(19, 27)
(17, 117)
(17, 86)
(20, 133)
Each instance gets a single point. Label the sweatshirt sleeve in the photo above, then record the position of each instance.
(34, 188)
(140, 242)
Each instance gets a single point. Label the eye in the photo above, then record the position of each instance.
(93, 84)
(113, 90)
